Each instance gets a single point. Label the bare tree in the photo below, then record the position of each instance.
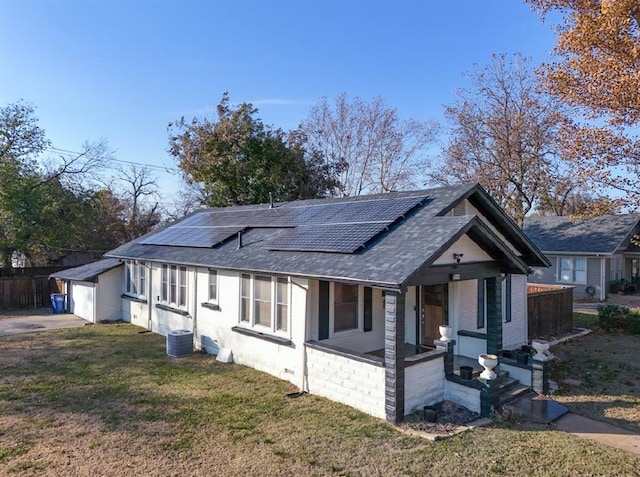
(138, 183)
(505, 134)
(374, 150)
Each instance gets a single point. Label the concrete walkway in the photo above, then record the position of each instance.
(32, 321)
(600, 432)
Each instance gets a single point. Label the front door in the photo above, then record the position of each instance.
(434, 311)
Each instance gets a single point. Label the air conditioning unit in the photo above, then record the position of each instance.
(180, 343)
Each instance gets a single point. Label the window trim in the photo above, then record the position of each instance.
(359, 312)
(210, 272)
(170, 290)
(135, 271)
(573, 270)
(250, 323)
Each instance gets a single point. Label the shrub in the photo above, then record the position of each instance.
(612, 317)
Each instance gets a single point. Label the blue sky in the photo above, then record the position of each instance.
(122, 69)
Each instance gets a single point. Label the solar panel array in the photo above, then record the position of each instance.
(190, 236)
(344, 226)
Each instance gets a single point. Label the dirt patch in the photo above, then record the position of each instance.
(449, 416)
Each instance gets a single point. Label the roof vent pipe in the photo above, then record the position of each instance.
(270, 200)
(239, 239)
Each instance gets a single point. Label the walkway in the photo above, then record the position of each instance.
(40, 319)
(600, 432)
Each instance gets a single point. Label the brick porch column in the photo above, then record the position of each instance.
(394, 356)
(494, 315)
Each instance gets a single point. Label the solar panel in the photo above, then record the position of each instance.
(191, 236)
(341, 238)
(344, 226)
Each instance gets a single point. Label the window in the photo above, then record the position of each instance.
(213, 286)
(174, 285)
(572, 270)
(135, 278)
(264, 302)
(345, 307)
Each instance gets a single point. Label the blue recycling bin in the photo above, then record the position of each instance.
(57, 302)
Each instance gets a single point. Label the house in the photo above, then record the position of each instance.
(93, 290)
(345, 297)
(596, 255)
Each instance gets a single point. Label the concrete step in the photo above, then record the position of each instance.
(537, 408)
(514, 392)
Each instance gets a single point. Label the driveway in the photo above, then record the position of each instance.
(39, 319)
(591, 307)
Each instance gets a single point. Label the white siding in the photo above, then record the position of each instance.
(514, 333)
(424, 384)
(81, 300)
(351, 382)
(470, 250)
(410, 316)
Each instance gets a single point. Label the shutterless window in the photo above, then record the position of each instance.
(173, 284)
(245, 297)
(182, 286)
(164, 294)
(572, 270)
(345, 307)
(282, 304)
(213, 285)
(262, 300)
(135, 278)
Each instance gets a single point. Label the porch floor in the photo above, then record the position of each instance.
(466, 361)
(409, 350)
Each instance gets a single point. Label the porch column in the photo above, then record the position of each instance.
(494, 315)
(394, 355)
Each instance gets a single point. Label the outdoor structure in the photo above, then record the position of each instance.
(596, 255)
(372, 301)
(93, 291)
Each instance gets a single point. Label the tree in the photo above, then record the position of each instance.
(596, 70)
(38, 209)
(367, 142)
(138, 183)
(239, 160)
(505, 134)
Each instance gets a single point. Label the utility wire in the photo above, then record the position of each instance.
(67, 152)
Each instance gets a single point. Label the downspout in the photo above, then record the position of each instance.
(195, 308)
(150, 295)
(95, 300)
(603, 279)
(304, 381)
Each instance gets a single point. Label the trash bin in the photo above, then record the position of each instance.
(57, 302)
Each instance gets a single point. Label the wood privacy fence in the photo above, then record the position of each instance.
(25, 292)
(550, 310)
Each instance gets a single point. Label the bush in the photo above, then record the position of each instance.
(618, 318)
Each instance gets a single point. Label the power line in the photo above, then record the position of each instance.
(68, 152)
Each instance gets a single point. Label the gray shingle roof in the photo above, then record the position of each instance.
(604, 234)
(89, 271)
(390, 260)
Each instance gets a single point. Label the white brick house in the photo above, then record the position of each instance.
(342, 297)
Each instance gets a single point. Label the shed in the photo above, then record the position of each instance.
(93, 290)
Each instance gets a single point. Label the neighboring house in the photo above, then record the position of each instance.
(93, 290)
(344, 297)
(595, 254)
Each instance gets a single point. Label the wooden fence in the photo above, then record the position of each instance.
(25, 292)
(550, 310)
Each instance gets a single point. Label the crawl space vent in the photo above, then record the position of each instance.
(180, 343)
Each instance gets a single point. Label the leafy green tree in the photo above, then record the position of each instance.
(239, 160)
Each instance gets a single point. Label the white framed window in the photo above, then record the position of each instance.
(346, 307)
(213, 286)
(174, 285)
(264, 302)
(135, 278)
(572, 270)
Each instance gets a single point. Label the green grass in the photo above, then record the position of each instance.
(106, 400)
(585, 320)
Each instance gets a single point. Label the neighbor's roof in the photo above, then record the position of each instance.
(89, 271)
(595, 235)
(382, 239)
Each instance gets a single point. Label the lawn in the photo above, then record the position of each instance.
(106, 400)
(606, 370)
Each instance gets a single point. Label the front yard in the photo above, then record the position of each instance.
(598, 374)
(106, 400)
